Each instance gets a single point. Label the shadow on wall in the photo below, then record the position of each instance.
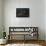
(1, 34)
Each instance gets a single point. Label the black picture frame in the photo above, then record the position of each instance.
(22, 12)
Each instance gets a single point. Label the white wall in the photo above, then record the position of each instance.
(36, 15)
(45, 19)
